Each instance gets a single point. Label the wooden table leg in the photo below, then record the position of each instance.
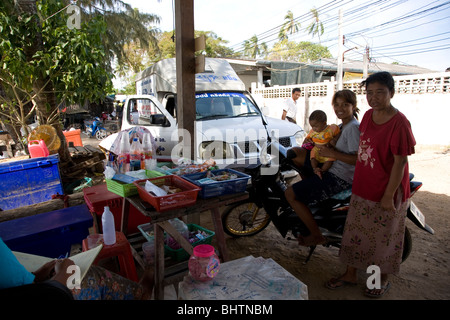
(125, 213)
(159, 262)
(220, 235)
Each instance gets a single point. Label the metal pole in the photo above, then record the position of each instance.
(340, 61)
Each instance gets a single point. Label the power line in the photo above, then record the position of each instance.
(364, 11)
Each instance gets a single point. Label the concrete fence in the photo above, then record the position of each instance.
(423, 98)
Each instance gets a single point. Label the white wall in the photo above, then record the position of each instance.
(424, 99)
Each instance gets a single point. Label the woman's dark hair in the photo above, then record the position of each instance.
(348, 96)
(318, 115)
(383, 77)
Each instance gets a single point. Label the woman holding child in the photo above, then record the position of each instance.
(375, 225)
(339, 177)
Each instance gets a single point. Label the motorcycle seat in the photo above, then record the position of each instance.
(342, 195)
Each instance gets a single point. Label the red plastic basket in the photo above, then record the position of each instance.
(177, 200)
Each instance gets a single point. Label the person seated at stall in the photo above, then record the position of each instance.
(313, 189)
(98, 284)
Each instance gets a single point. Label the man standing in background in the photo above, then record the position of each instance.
(290, 107)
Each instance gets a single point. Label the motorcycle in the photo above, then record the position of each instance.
(96, 129)
(267, 203)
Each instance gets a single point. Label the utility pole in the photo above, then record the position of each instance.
(185, 66)
(340, 61)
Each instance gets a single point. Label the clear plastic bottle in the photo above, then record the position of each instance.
(148, 249)
(203, 263)
(109, 230)
(147, 151)
(181, 227)
(135, 155)
(123, 159)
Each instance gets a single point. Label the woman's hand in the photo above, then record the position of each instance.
(387, 203)
(45, 272)
(326, 151)
(61, 274)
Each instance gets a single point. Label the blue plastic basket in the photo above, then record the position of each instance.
(219, 188)
(29, 181)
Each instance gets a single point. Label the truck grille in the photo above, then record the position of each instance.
(285, 142)
(248, 147)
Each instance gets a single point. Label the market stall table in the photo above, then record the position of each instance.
(161, 224)
(247, 278)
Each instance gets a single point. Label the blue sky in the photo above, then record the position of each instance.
(403, 31)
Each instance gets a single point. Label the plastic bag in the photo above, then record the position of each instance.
(157, 191)
(109, 172)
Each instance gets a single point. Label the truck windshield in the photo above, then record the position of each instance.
(224, 105)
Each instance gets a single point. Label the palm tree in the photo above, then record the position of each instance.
(253, 49)
(125, 25)
(289, 27)
(316, 26)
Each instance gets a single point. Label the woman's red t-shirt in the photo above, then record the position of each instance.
(377, 146)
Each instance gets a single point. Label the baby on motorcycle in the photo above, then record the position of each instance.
(321, 134)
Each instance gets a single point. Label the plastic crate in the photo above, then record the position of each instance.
(168, 164)
(219, 188)
(29, 181)
(73, 136)
(180, 171)
(178, 254)
(49, 234)
(98, 196)
(186, 197)
(129, 189)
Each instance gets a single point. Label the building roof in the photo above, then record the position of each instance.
(329, 64)
(357, 66)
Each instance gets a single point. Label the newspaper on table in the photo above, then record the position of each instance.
(83, 260)
(247, 278)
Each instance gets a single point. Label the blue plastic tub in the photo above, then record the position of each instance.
(219, 188)
(49, 234)
(29, 181)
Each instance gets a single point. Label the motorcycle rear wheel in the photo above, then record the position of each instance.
(101, 134)
(244, 219)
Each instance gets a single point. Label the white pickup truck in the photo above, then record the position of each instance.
(229, 125)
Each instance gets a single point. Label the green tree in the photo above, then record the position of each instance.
(289, 26)
(44, 63)
(40, 24)
(316, 26)
(214, 46)
(303, 51)
(125, 25)
(253, 49)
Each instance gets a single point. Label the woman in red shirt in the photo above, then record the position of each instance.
(375, 224)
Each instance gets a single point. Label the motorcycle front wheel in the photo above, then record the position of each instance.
(244, 219)
(407, 245)
(101, 134)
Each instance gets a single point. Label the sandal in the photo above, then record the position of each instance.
(336, 283)
(373, 293)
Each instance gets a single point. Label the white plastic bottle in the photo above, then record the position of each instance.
(135, 155)
(109, 230)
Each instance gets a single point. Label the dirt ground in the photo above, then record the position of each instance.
(425, 275)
